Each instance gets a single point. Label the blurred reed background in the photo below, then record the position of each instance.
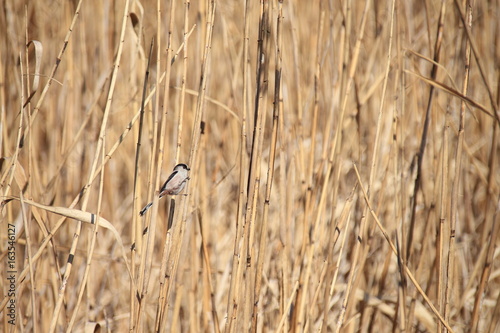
(343, 154)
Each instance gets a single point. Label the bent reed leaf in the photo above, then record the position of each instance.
(86, 217)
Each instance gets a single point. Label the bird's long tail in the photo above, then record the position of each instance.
(144, 210)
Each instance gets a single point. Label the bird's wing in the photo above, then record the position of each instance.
(169, 178)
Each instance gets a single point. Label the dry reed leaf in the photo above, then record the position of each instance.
(215, 102)
(421, 56)
(454, 92)
(80, 215)
(20, 177)
(38, 60)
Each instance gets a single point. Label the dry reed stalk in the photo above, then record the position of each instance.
(467, 21)
(338, 138)
(443, 221)
(170, 262)
(48, 237)
(342, 224)
(25, 212)
(147, 257)
(477, 56)
(184, 79)
(270, 170)
(394, 250)
(233, 298)
(423, 141)
(451, 255)
(136, 224)
(365, 236)
(54, 68)
(260, 106)
(244, 241)
(206, 260)
(91, 248)
(100, 146)
(397, 133)
(308, 243)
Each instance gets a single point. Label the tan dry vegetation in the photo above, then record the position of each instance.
(376, 123)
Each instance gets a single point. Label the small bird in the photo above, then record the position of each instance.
(174, 184)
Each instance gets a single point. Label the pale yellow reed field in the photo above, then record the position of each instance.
(343, 158)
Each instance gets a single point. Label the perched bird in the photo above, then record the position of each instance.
(174, 184)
